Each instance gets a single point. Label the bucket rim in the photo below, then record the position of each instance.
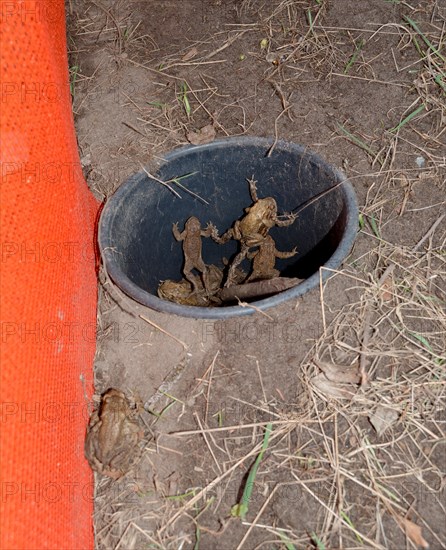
(145, 298)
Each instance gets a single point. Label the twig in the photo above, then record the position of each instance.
(209, 385)
(255, 308)
(429, 233)
(225, 45)
(134, 129)
(258, 288)
(164, 331)
(276, 132)
(231, 428)
(203, 433)
(161, 181)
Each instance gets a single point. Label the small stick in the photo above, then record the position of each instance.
(255, 308)
(233, 427)
(276, 132)
(134, 129)
(161, 181)
(208, 395)
(428, 234)
(258, 288)
(164, 331)
(203, 433)
(225, 45)
(265, 400)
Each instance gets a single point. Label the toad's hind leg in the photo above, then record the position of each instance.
(236, 262)
(187, 272)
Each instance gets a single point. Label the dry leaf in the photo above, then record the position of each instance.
(190, 54)
(413, 531)
(205, 135)
(383, 418)
(387, 291)
(338, 373)
(333, 389)
(336, 380)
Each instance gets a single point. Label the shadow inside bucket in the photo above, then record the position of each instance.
(308, 264)
(136, 237)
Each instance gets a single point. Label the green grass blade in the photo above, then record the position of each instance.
(358, 48)
(185, 100)
(408, 118)
(197, 538)
(417, 46)
(349, 521)
(219, 416)
(286, 541)
(423, 340)
(183, 496)
(184, 188)
(74, 71)
(179, 178)
(439, 81)
(424, 38)
(172, 397)
(374, 226)
(317, 541)
(163, 410)
(157, 104)
(241, 509)
(357, 141)
(388, 493)
(310, 20)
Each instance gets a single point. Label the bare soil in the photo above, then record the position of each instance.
(344, 79)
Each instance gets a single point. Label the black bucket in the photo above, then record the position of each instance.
(135, 229)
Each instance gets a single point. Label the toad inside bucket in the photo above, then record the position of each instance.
(136, 236)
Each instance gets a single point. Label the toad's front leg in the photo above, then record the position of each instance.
(289, 219)
(176, 232)
(224, 238)
(253, 188)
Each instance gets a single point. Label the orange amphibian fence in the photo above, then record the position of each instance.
(48, 289)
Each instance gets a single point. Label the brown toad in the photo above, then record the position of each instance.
(191, 237)
(252, 229)
(181, 292)
(264, 260)
(113, 435)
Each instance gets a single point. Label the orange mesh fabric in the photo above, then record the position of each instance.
(48, 289)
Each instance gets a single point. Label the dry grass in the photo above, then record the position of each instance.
(404, 373)
(335, 458)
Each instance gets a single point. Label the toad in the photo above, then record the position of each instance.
(113, 435)
(182, 292)
(191, 237)
(252, 229)
(264, 260)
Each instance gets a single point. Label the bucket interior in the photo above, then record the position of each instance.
(136, 225)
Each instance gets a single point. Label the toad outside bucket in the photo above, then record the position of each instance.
(135, 229)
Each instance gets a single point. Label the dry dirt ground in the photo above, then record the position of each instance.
(345, 387)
